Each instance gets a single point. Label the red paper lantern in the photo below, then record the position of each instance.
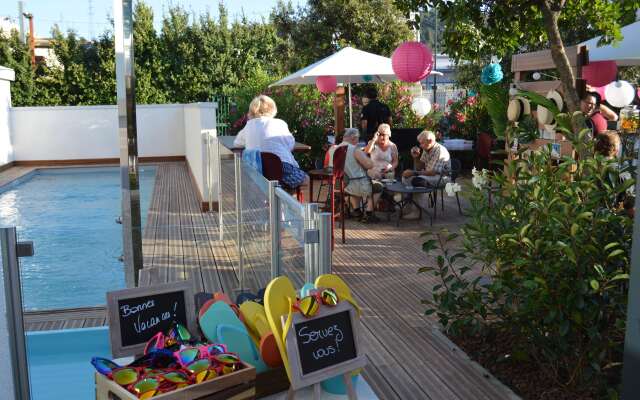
(326, 84)
(600, 73)
(412, 61)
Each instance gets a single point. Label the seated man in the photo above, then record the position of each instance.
(356, 165)
(431, 164)
(431, 161)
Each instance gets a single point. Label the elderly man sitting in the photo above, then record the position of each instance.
(432, 164)
(355, 168)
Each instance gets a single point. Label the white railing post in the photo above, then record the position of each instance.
(324, 246)
(274, 226)
(237, 158)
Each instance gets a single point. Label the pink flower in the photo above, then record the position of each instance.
(436, 106)
(449, 102)
(460, 117)
(471, 100)
(454, 127)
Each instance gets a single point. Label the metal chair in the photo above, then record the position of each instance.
(272, 170)
(454, 172)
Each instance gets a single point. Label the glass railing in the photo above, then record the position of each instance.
(273, 233)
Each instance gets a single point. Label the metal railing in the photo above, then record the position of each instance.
(271, 231)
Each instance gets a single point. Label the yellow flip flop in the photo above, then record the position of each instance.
(256, 320)
(277, 302)
(336, 283)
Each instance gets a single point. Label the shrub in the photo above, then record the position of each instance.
(554, 245)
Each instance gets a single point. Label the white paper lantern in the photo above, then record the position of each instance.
(421, 106)
(619, 93)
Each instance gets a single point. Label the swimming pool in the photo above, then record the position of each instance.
(69, 214)
(59, 362)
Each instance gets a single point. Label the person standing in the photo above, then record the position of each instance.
(373, 114)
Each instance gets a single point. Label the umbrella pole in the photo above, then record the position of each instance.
(350, 116)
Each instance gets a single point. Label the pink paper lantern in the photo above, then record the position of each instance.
(412, 61)
(326, 84)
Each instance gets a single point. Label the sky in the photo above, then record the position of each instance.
(74, 14)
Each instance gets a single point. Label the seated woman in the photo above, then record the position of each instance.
(383, 152)
(355, 168)
(608, 144)
(268, 134)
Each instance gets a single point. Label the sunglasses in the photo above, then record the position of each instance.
(309, 305)
(203, 370)
(157, 359)
(177, 334)
(189, 354)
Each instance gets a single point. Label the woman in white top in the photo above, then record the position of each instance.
(383, 152)
(267, 134)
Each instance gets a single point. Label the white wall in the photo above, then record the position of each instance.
(6, 148)
(86, 132)
(200, 124)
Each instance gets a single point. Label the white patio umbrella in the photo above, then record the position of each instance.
(349, 66)
(625, 53)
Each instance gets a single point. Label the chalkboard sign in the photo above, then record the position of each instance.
(325, 341)
(135, 315)
(323, 346)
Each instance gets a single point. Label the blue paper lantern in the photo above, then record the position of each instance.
(491, 74)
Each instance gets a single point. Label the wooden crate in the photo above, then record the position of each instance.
(271, 382)
(239, 385)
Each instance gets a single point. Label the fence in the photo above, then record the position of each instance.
(273, 233)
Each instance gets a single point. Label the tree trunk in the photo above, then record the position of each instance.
(550, 14)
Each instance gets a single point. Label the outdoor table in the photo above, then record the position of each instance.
(321, 175)
(227, 141)
(407, 197)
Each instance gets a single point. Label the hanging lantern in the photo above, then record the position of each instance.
(326, 84)
(412, 61)
(619, 93)
(421, 106)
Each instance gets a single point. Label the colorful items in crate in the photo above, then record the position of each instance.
(172, 360)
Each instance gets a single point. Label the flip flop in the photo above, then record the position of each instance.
(222, 297)
(306, 289)
(277, 302)
(256, 320)
(220, 324)
(336, 283)
(335, 384)
(238, 341)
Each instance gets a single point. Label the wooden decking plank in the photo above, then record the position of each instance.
(189, 244)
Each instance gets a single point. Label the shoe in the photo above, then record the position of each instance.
(370, 218)
(357, 214)
(413, 214)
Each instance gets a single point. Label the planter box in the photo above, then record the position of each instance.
(239, 385)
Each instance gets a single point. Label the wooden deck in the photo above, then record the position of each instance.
(408, 357)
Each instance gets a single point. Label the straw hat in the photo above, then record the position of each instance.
(545, 117)
(518, 106)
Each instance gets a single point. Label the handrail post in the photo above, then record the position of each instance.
(274, 226)
(220, 202)
(13, 304)
(310, 244)
(237, 158)
(324, 252)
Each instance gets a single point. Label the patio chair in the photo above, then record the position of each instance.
(272, 170)
(337, 186)
(456, 167)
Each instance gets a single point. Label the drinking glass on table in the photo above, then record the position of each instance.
(415, 152)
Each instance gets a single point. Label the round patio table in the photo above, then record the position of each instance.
(407, 198)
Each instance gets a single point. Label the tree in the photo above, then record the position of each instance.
(477, 29)
(316, 30)
(15, 55)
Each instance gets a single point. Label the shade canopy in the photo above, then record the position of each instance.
(348, 65)
(626, 52)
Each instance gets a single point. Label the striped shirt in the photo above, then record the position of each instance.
(437, 159)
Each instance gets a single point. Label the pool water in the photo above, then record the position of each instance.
(59, 362)
(69, 214)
